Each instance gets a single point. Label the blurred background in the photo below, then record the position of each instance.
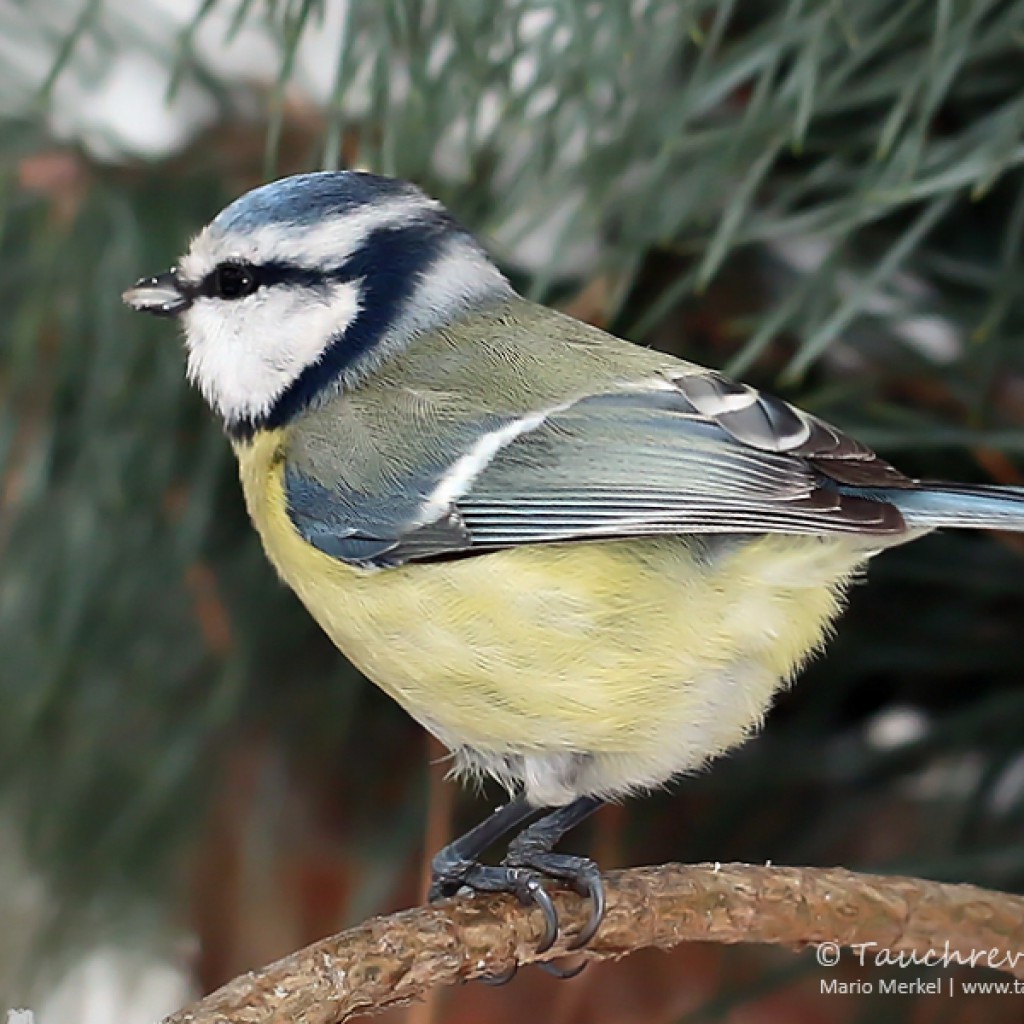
(826, 198)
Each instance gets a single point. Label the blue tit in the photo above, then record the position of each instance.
(585, 566)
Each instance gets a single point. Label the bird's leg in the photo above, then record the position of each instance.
(533, 848)
(455, 863)
(529, 861)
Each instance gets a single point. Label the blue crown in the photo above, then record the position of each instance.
(306, 198)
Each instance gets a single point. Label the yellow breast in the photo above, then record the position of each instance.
(645, 650)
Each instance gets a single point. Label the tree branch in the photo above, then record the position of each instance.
(397, 959)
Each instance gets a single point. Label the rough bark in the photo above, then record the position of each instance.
(399, 958)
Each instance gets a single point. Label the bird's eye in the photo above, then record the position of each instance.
(234, 281)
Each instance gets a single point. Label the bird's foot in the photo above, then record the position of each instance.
(525, 884)
(530, 863)
(531, 850)
(453, 866)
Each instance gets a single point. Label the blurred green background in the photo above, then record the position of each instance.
(824, 197)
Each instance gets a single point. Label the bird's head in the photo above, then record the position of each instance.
(302, 286)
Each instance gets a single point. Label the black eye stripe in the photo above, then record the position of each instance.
(266, 275)
(290, 274)
(377, 253)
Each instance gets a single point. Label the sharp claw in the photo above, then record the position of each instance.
(563, 973)
(593, 889)
(532, 891)
(501, 979)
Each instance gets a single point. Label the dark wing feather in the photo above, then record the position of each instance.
(692, 453)
(767, 423)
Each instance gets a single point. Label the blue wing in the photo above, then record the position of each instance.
(697, 454)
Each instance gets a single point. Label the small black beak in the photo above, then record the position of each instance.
(162, 295)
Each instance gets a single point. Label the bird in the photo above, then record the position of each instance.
(585, 566)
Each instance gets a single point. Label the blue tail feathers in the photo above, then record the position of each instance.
(971, 506)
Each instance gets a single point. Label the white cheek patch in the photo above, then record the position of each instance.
(244, 354)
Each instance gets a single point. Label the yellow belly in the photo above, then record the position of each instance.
(643, 651)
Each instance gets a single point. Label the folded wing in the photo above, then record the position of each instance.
(689, 453)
